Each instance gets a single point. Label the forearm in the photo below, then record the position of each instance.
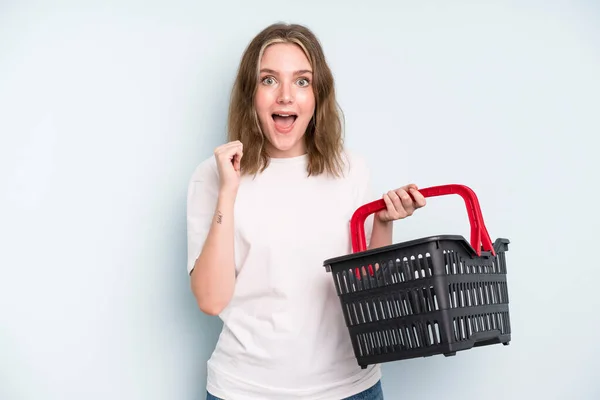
(382, 234)
(213, 277)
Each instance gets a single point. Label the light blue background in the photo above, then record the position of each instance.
(107, 107)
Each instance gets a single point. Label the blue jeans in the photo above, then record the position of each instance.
(373, 393)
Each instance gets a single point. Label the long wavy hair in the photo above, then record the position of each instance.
(323, 136)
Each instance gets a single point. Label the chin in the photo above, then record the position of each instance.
(279, 148)
(288, 144)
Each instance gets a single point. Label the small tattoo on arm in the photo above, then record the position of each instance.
(219, 217)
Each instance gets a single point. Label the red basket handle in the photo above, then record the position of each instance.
(479, 234)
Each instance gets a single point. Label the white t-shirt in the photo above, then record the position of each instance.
(284, 334)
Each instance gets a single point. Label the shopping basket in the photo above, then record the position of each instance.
(425, 297)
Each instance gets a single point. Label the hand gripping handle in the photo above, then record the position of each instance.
(479, 234)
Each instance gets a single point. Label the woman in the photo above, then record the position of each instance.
(265, 212)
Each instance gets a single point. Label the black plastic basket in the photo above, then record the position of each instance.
(435, 295)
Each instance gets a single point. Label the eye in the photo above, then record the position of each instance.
(303, 82)
(268, 80)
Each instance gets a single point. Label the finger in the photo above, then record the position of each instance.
(235, 143)
(395, 200)
(406, 201)
(389, 206)
(395, 210)
(228, 146)
(418, 197)
(230, 151)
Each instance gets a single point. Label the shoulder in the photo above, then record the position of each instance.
(203, 186)
(355, 163)
(205, 171)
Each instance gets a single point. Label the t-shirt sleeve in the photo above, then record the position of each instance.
(365, 191)
(367, 197)
(202, 197)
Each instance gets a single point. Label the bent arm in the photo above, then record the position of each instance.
(213, 275)
(382, 234)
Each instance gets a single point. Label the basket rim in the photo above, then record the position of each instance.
(434, 238)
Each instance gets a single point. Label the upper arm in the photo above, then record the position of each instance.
(202, 195)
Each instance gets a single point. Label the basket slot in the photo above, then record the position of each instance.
(341, 282)
(485, 293)
(362, 315)
(410, 271)
(501, 259)
(337, 283)
(456, 265)
(399, 307)
(434, 333)
(420, 334)
(429, 299)
(478, 293)
(387, 306)
(383, 273)
(409, 268)
(468, 325)
(487, 297)
(392, 269)
(506, 321)
(366, 311)
(500, 293)
(494, 293)
(366, 279)
(395, 271)
(473, 294)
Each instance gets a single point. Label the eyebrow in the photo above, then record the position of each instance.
(299, 72)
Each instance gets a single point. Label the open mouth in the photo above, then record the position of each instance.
(284, 122)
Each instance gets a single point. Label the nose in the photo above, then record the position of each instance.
(285, 95)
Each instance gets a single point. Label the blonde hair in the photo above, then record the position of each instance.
(324, 136)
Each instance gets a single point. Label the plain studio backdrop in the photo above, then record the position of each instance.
(107, 107)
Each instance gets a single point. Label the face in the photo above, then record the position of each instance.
(284, 101)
